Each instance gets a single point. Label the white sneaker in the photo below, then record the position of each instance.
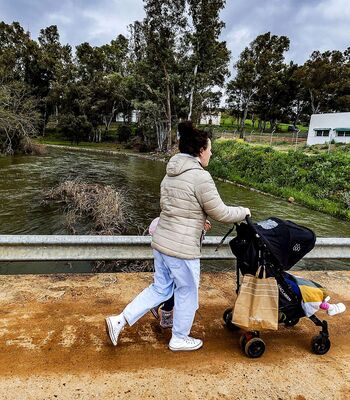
(114, 325)
(336, 309)
(186, 344)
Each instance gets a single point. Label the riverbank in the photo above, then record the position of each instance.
(111, 149)
(54, 346)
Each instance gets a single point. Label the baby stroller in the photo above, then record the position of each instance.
(278, 245)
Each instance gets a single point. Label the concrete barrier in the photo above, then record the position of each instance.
(69, 247)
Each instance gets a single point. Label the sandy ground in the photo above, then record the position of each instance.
(53, 345)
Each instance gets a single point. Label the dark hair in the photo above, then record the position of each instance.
(191, 140)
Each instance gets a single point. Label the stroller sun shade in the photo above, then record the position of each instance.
(286, 242)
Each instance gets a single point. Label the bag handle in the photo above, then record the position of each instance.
(258, 272)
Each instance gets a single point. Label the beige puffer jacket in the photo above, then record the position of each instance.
(188, 196)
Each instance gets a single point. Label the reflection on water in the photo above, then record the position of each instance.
(24, 178)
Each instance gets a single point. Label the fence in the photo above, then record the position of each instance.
(63, 248)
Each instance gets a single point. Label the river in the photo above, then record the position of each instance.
(25, 178)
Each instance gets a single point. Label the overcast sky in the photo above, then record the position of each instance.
(310, 24)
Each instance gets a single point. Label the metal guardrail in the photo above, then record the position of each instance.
(61, 247)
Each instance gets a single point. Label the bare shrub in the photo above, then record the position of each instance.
(102, 205)
(123, 266)
(106, 209)
(28, 147)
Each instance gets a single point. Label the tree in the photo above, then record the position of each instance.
(19, 117)
(209, 56)
(75, 127)
(116, 54)
(297, 104)
(55, 70)
(325, 76)
(164, 19)
(259, 75)
(15, 52)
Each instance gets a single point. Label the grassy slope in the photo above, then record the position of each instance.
(321, 181)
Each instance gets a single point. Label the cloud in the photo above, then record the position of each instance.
(310, 25)
(97, 22)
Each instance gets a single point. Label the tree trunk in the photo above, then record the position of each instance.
(45, 115)
(192, 92)
(315, 109)
(168, 107)
(242, 124)
(56, 114)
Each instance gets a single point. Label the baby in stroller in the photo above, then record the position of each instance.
(278, 245)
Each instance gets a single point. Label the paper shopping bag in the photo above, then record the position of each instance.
(256, 307)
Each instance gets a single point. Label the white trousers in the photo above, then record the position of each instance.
(172, 276)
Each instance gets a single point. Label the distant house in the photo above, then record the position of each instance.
(135, 117)
(324, 128)
(210, 118)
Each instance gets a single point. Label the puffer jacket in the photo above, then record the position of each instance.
(188, 196)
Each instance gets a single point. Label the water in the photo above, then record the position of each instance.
(25, 178)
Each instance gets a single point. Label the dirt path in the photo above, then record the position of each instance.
(53, 345)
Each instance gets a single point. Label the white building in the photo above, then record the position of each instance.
(135, 116)
(324, 128)
(210, 118)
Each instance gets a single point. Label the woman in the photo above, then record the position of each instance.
(164, 311)
(188, 196)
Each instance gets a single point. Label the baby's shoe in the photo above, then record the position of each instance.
(166, 319)
(335, 309)
(155, 311)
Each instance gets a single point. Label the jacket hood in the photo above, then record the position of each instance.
(180, 163)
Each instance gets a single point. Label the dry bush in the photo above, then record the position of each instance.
(28, 147)
(102, 205)
(106, 210)
(123, 266)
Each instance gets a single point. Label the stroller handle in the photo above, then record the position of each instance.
(249, 220)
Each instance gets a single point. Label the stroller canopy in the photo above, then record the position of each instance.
(286, 241)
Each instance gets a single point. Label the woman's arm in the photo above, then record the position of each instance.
(210, 200)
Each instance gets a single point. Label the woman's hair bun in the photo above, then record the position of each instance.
(185, 128)
(191, 140)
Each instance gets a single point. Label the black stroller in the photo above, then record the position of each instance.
(278, 245)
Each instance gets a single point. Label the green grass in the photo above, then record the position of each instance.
(88, 145)
(230, 122)
(320, 182)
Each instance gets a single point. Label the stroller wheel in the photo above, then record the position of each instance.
(243, 342)
(291, 322)
(320, 344)
(228, 320)
(246, 337)
(254, 348)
